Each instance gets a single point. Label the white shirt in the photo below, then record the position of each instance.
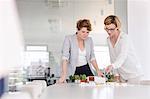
(82, 58)
(123, 57)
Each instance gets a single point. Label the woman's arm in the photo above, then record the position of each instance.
(63, 72)
(65, 59)
(93, 60)
(124, 47)
(94, 63)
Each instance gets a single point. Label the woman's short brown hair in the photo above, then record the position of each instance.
(84, 23)
(112, 19)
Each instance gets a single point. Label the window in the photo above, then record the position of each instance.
(36, 48)
(36, 55)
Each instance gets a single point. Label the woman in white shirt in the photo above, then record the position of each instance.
(78, 53)
(122, 54)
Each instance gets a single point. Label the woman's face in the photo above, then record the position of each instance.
(111, 29)
(83, 33)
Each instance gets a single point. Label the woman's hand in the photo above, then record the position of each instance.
(108, 69)
(62, 79)
(99, 73)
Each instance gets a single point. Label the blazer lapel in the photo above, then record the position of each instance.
(75, 41)
(87, 48)
(75, 48)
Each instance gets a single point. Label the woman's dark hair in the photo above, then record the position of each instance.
(84, 23)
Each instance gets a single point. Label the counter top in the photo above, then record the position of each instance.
(103, 91)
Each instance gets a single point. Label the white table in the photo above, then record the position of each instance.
(74, 91)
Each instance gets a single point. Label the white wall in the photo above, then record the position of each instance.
(36, 28)
(139, 30)
(120, 9)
